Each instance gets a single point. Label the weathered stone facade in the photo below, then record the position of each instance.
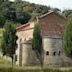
(53, 52)
(52, 28)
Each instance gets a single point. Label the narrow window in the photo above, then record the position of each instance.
(54, 53)
(47, 53)
(59, 53)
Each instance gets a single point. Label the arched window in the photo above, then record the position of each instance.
(47, 53)
(54, 53)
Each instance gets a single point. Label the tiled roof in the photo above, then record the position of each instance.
(47, 29)
(59, 14)
(24, 27)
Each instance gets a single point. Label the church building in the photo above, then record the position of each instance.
(52, 26)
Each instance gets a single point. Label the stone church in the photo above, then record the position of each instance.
(52, 26)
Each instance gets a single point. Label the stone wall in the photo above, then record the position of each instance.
(53, 52)
(28, 55)
(22, 37)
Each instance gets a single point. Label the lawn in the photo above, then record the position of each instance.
(5, 66)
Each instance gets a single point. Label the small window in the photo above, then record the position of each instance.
(59, 53)
(54, 53)
(47, 53)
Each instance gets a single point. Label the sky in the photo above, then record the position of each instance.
(61, 4)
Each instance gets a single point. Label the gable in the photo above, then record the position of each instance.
(25, 27)
(52, 25)
(52, 13)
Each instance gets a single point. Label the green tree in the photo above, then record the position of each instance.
(37, 43)
(2, 18)
(68, 38)
(22, 16)
(56, 10)
(8, 44)
(19, 9)
(41, 9)
(67, 13)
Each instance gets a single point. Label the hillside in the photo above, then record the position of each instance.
(21, 11)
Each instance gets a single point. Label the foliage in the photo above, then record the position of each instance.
(2, 21)
(37, 43)
(25, 18)
(67, 13)
(68, 38)
(21, 11)
(42, 9)
(8, 44)
(56, 10)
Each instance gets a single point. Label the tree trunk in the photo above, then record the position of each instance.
(39, 58)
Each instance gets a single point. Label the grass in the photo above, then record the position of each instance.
(5, 66)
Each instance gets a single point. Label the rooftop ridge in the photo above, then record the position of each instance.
(51, 11)
(23, 25)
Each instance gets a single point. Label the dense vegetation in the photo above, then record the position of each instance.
(8, 43)
(37, 43)
(21, 11)
(68, 38)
